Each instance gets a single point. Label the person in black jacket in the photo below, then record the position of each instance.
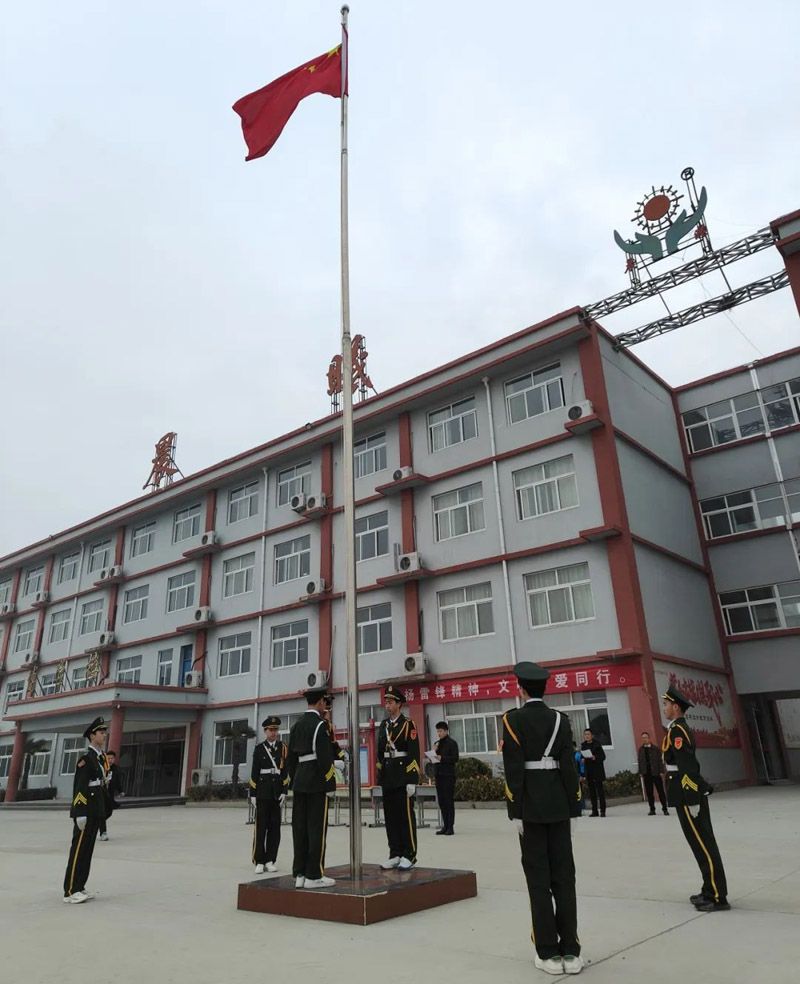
(87, 811)
(269, 780)
(113, 787)
(446, 749)
(398, 774)
(595, 772)
(542, 794)
(651, 765)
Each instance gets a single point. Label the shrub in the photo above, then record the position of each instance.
(45, 793)
(199, 794)
(470, 768)
(216, 791)
(625, 783)
(479, 789)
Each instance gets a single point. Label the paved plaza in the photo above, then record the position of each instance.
(166, 903)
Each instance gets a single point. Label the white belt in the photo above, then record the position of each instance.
(95, 782)
(672, 768)
(307, 758)
(395, 755)
(273, 772)
(547, 762)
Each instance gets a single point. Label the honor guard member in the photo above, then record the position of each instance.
(398, 774)
(339, 754)
(87, 811)
(269, 780)
(688, 792)
(311, 770)
(542, 793)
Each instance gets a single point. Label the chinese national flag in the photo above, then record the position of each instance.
(266, 112)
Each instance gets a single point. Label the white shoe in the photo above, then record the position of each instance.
(553, 965)
(259, 869)
(76, 898)
(103, 837)
(573, 965)
(270, 866)
(404, 864)
(320, 882)
(89, 895)
(300, 881)
(391, 863)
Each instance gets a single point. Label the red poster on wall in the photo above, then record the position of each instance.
(712, 718)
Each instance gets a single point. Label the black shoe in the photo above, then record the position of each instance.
(602, 814)
(697, 899)
(665, 811)
(652, 813)
(594, 814)
(449, 832)
(441, 830)
(709, 905)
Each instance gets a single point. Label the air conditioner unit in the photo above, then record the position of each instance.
(9, 608)
(201, 777)
(316, 587)
(106, 639)
(408, 562)
(404, 471)
(110, 572)
(194, 678)
(42, 597)
(319, 678)
(316, 501)
(209, 538)
(298, 502)
(415, 663)
(202, 615)
(582, 409)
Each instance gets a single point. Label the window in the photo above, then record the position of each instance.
(782, 404)
(453, 425)
(180, 592)
(730, 420)
(534, 393)
(40, 761)
(774, 606)
(374, 629)
(79, 678)
(187, 523)
(369, 455)
(466, 612)
(545, 488)
(292, 559)
(752, 509)
(237, 575)
(15, 691)
(459, 512)
(563, 594)
(287, 722)
(98, 555)
(5, 760)
(586, 709)
(68, 568)
(136, 604)
(5, 592)
(372, 536)
(243, 502)
(70, 753)
(370, 712)
(477, 725)
(33, 581)
(224, 741)
(48, 684)
(91, 616)
(23, 640)
(143, 539)
(164, 667)
(129, 669)
(234, 654)
(293, 481)
(59, 625)
(290, 644)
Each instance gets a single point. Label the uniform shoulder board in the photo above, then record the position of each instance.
(413, 732)
(80, 763)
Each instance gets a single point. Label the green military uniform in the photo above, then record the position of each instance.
(89, 801)
(542, 791)
(269, 780)
(688, 792)
(398, 768)
(310, 765)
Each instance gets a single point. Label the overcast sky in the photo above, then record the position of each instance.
(153, 281)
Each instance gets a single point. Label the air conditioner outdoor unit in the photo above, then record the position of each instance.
(9, 608)
(106, 639)
(194, 678)
(110, 572)
(408, 562)
(209, 538)
(316, 501)
(201, 777)
(582, 409)
(298, 502)
(404, 471)
(319, 678)
(42, 597)
(415, 663)
(316, 587)
(202, 614)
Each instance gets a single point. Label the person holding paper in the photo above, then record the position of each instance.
(446, 756)
(593, 752)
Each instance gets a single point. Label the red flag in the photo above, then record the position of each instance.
(266, 112)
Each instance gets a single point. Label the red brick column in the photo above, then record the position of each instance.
(15, 770)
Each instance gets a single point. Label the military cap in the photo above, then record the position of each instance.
(315, 694)
(532, 677)
(395, 693)
(96, 725)
(672, 693)
(271, 722)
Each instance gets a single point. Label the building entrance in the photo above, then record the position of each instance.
(152, 762)
(763, 728)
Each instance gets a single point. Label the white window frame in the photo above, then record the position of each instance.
(287, 721)
(166, 659)
(581, 707)
(449, 425)
(129, 669)
(744, 412)
(78, 679)
(752, 501)
(48, 684)
(186, 523)
(71, 751)
(180, 591)
(374, 620)
(238, 574)
(235, 654)
(537, 484)
(15, 692)
(470, 713)
(5, 591)
(788, 393)
(541, 384)
(59, 626)
(465, 504)
(23, 636)
(223, 747)
(135, 604)
(372, 536)
(783, 599)
(294, 564)
(5, 760)
(68, 567)
(33, 581)
(243, 502)
(40, 762)
(293, 481)
(99, 554)
(91, 620)
(562, 585)
(369, 455)
(143, 539)
(447, 601)
(286, 647)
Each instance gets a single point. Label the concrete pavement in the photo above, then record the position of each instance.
(167, 878)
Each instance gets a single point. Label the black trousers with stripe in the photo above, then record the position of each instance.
(401, 823)
(80, 856)
(700, 836)
(445, 793)
(309, 833)
(268, 831)
(550, 873)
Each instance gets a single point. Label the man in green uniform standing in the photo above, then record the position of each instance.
(310, 764)
(688, 792)
(542, 793)
(269, 780)
(398, 774)
(87, 811)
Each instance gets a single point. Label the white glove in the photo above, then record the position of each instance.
(80, 822)
(411, 791)
(520, 827)
(282, 798)
(331, 794)
(338, 764)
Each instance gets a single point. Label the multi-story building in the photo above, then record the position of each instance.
(534, 499)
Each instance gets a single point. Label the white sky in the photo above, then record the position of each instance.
(153, 281)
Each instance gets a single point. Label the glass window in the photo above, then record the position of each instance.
(293, 481)
(466, 612)
(374, 628)
(5, 760)
(143, 539)
(91, 616)
(40, 761)
(459, 512)
(751, 610)
(477, 726)
(452, 424)
(545, 488)
(70, 753)
(48, 684)
(68, 568)
(369, 455)
(243, 502)
(5, 592)
(129, 669)
(290, 644)
(292, 559)
(99, 554)
(165, 667)
(372, 536)
(136, 604)
(237, 575)
(563, 594)
(180, 592)
(186, 524)
(224, 741)
(59, 625)
(534, 393)
(234, 654)
(370, 712)
(33, 581)
(79, 681)
(23, 640)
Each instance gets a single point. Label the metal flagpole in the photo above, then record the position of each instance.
(349, 497)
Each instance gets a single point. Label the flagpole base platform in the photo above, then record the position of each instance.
(376, 896)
